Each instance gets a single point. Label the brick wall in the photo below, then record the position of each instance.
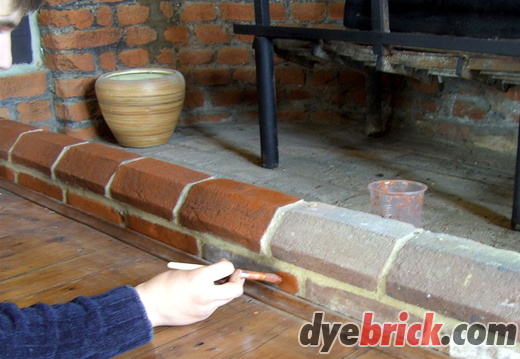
(82, 40)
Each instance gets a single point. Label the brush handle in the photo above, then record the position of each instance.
(246, 274)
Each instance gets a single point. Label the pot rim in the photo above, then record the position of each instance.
(133, 71)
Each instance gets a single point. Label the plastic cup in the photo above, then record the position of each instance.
(398, 199)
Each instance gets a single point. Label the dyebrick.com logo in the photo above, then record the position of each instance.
(323, 335)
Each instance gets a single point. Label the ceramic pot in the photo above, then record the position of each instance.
(141, 106)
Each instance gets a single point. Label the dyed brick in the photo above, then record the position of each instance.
(236, 211)
(458, 278)
(350, 246)
(91, 166)
(153, 186)
(9, 133)
(195, 57)
(40, 150)
(94, 207)
(289, 282)
(185, 242)
(470, 110)
(47, 188)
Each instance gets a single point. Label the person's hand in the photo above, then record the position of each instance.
(179, 297)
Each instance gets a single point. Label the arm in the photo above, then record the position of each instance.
(104, 326)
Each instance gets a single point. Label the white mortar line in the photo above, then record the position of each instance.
(112, 178)
(182, 198)
(267, 237)
(400, 243)
(60, 156)
(18, 139)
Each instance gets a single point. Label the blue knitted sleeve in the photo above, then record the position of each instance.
(87, 327)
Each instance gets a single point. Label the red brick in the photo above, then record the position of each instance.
(237, 12)
(9, 133)
(277, 12)
(458, 278)
(245, 75)
(74, 62)
(135, 58)
(153, 186)
(176, 34)
(82, 39)
(238, 212)
(35, 111)
(90, 166)
(38, 185)
(75, 112)
(94, 207)
(194, 98)
(139, 35)
(288, 75)
(336, 10)
(289, 282)
(185, 242)
(211, 76)
(6, 173)
(195, 56)
(108, 61)
(298, 94)
(104, 16)
(77, 87)
(292, 115)
(80, 19)
(231, 97)
(25, 85)
(166, 9)
(233, 56)
(40, 150)
(308, 11)
(132, 14)
(166, 56)
(423, 87)
(211, 34)
(468, 110)
(323, 78)
(83, 133)
(199, 12)
(351, 78)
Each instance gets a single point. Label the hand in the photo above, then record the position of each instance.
(180, 297)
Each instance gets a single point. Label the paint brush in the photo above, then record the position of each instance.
(245, 274)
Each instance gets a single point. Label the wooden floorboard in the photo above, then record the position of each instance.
(49, 257)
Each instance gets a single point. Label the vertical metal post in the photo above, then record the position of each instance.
(515, 217)
(266, 89)
(381, 23)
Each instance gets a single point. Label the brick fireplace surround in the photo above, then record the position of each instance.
(344, 260)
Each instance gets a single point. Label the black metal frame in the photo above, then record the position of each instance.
(380, 37)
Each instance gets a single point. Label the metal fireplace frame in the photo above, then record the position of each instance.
(379, 38)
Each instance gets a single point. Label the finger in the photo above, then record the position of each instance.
(216, 271)
(228, 291)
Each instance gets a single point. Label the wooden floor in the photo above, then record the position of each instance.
(48, 257)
